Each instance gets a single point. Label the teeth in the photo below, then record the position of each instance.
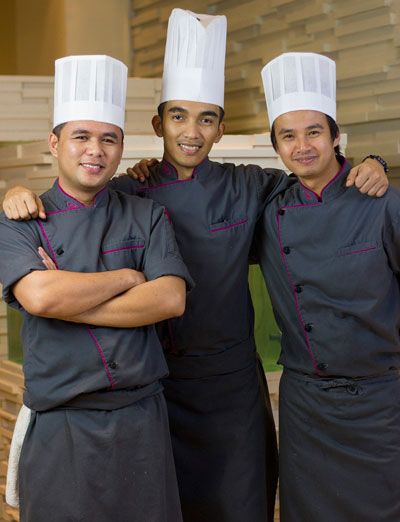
(90, 166)
(189, 147)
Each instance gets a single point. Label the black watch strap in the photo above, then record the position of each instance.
(381, 161)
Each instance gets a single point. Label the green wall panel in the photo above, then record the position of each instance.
(266, 331)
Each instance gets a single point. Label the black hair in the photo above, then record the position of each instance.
(58, 128)
(333, 128)
(161, 107)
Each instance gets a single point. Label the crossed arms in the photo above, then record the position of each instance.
(117, 298)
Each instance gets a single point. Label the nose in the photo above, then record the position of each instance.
(191, 130)
(94, 147)
(302, 143)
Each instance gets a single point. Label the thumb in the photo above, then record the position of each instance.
(351, 177)
(41, 210)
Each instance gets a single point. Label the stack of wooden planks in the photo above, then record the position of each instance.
(26, 106)
(11, 390)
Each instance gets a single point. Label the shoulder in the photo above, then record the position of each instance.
(125, 184)
(137, 203)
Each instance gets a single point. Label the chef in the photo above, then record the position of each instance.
(97, 446)
(331, 260)
(223, 433)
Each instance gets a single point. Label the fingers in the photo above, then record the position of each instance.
(369, 178)
(140, 170)
(47, 261)
(22, 205)
(41, 210)
(351, 176)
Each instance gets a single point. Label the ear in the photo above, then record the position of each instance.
(220, 133)
(157, 125)
(53, 145)
(336, 141)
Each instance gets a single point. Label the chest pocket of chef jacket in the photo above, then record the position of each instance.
(229, 227)
(124, 254)
(361, 268)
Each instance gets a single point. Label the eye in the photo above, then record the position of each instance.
(314, 133)
(207, 121)
(287, 136)
(109, 140)
(177, 117)
(81, 137)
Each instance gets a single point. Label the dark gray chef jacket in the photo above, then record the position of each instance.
(332, 269)
(222, 427)
(117, 232)
(332, 265)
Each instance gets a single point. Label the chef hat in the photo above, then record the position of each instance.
(300, 81)
(194, 59)
(90, 87)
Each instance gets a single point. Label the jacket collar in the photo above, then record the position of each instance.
(332, 190)
(66, 202)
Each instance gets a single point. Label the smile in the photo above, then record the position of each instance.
(189, 149)
(306, 160)
(93, 167)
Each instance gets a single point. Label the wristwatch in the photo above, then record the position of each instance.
(381, 161)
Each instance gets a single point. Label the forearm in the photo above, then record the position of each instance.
(145, 304)
(61, 294)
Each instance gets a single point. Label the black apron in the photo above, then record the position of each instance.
(92, 465)
(223, 437)
(339, 448)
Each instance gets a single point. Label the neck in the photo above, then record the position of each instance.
(184, 173)
(85, 198)
(318, 182)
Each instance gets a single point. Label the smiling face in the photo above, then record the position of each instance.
(305, 145)
(189, 130)
(88, 154)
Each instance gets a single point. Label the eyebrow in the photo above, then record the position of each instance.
(85, 131)
(313, 126)
(185, 111)
(178, 109)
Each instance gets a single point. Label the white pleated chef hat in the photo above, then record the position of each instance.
(90, 87)
(194, 62)
(300, 81)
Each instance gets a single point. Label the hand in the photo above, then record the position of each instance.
(369, 177)
(140, 170)
(21, 203)
(47, 261)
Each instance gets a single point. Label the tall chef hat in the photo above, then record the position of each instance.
(194, 61)
(90, 87)
(300, 81)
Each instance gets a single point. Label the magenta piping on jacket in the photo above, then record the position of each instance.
(163, 185)
(101, 355)
(99, 192)
(66, 210)
(172, 182)
(319, 198)
(63, 191)
(48, 243)
(87, 328)
(170, 336)
(81, 205)
(229, 226)
(168, 216)
(294, 292)
(358, 252)
(124, 248)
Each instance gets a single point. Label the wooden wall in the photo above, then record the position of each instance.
(362, 36)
